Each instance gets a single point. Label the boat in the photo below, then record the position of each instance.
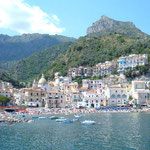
(88, 122)
(42, 117)
(53, 117)
(60, 120)
(74, 120)
(77, 116)
(35, 117)
(62, 117)
(30, 121)
(68, 121)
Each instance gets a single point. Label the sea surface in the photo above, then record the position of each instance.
(112, 131)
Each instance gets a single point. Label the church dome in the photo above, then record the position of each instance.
(42, 80)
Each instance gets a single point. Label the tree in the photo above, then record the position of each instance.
(130, 97)
(4, 100)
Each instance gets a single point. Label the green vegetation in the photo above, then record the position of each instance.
(18, 47)
(130, 97)
(4, 100)
(137, 71)
(89, 51)
(31, 67)
(5, 77)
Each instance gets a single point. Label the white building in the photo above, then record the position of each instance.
(117, 95)
(92, 84)
(105, 68)
(129, 62)
(90, 99)
(140, 93)
(19, 97)
(5, 92)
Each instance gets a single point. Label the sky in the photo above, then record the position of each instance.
(68, 17)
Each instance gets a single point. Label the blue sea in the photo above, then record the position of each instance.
(112, 131)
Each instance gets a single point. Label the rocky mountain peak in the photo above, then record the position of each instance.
(107, 25)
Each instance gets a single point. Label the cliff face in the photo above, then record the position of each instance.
(107, 25)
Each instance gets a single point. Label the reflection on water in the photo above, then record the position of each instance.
(112, 131)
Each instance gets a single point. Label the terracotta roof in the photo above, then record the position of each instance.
(1, 90)
(53, 92)
(91, 92)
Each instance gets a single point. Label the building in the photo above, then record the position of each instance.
(141, 94)
(80, 72)
(75, 99)
(19, 97)
(105, 68)
(117, 95)
(5, 85)
(92, 84)
(35, 97)
(5, 92)
(55, 99)
(90, 99)
(129, 62)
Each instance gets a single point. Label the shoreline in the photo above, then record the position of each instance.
(83, 111)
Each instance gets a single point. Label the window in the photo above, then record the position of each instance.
(31, 100)
(124, 96)
(118, 96)
(113, 96)
(31, 94)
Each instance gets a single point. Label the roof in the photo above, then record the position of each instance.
(115, 86)
(53, 92)
(139, 81)
(1, 90)
(91, 92)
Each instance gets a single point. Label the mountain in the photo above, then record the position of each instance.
(14, 48)
(89, 51)
(33, 65)
(106, 25)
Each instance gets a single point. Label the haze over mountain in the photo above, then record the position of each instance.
(14, 48)
(106, 25)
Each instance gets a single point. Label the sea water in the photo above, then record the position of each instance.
(112, 131)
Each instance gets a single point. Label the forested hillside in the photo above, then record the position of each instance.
(14, 48)
(89, 51)
(32, 66)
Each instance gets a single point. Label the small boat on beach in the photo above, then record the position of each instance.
(68, 121)
(35, 117)
(74, 120)
(53, 117)
(60, 120)
(30, 121)
(77, 116)
(42, 117)
(88, 122)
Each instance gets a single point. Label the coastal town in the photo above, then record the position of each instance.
(113, 90)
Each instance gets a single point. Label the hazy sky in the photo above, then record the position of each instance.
(68, 17)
